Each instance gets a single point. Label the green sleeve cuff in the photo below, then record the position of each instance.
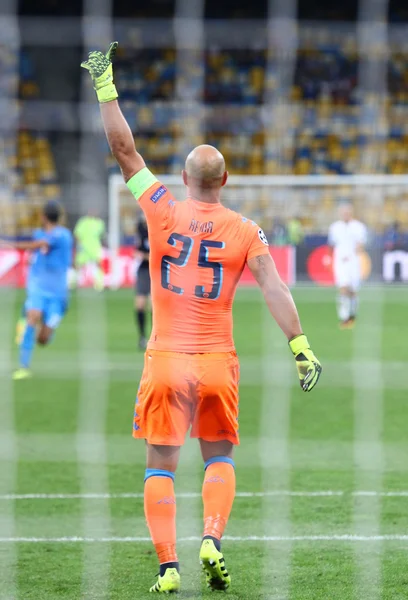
(298, 344)
(141, 182)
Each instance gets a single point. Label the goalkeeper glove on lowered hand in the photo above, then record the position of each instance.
(309, 368)
(99, 66)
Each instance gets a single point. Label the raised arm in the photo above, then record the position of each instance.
(282, 308)
(120, 140)
(117, 130)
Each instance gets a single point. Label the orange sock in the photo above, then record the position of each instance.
(160, 512)
(218, 495)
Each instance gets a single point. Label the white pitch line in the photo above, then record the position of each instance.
(279, 493)
(346, 537)
(131, 495)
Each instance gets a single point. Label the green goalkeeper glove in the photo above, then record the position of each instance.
(100, 67)
(308, 366)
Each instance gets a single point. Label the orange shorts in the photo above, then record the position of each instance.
(182, 390)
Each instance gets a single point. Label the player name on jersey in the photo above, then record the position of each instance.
(201, 227)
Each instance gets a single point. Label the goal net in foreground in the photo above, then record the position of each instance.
(272, 201)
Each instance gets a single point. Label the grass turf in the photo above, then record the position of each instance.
(315, 451)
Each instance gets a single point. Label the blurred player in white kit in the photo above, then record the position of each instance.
(347, 236)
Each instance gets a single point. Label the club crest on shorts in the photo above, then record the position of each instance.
(263, 237)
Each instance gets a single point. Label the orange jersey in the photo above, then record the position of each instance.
(197, 254)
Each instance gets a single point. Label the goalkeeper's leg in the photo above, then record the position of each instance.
(160, 512)
(218, 497)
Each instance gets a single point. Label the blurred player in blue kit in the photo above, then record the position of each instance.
(47, 285)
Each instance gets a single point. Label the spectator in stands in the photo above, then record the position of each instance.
(394, 238)
(279, 233)
(295, 231)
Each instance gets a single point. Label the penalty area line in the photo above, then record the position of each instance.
(137, 496)
(252, 538)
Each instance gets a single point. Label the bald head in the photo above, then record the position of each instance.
(205, 167)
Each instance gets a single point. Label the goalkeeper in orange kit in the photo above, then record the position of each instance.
(198, 250)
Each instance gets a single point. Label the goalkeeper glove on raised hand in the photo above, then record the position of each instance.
(99, 66)
(308, 366)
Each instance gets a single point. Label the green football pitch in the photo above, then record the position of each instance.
(322, 478)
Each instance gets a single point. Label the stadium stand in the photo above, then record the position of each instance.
(331, 125)
(27, 169)
(335, 128)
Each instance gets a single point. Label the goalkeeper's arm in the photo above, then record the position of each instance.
(120, 140)
(284, 311)
(277, 295)
(117, 130)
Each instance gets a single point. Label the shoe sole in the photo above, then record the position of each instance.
(216, 572)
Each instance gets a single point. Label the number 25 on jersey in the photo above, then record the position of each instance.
(182, 259)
